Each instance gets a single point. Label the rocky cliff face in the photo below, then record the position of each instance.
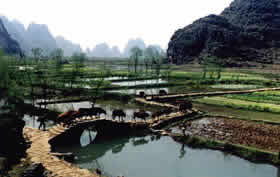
(9, 45)
(248, 30)
(37, 36)
(40, 37)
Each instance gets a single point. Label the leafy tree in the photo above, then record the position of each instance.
(98, 86)
(10, 92)
(136, 53)
(78, 60)
(212, 65)
(37, 53)
(4, 72)
(57, 55)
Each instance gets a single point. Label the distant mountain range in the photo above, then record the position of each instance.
(39, 36)
(103, 49)
(8, 44)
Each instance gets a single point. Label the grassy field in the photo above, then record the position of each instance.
(238, 113)
(235, 86)
(239, 104)
(258, 98)
(224, 76)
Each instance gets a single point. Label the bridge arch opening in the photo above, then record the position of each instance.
(87, 137)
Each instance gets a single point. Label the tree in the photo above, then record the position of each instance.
(98, 86)
(4, 72)
(78, 60)
(10, 92)
(57, 55)
(212, 64)
(37, 53)
(154, 58)
(136, 53)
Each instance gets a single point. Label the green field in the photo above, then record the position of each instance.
(240, 104)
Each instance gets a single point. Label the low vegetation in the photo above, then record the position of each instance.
(240, 104)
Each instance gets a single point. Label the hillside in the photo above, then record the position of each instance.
(247, 31)
(9, 45)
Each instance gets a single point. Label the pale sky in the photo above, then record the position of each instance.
(89, 22)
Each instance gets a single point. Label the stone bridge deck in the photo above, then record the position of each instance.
(40, 152)
(40, 149)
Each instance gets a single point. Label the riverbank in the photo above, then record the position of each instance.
(248, 153)
(253, 141)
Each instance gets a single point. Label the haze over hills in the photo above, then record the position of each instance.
(68, 47)
(39, 36)
(104, 50)
(8, 44)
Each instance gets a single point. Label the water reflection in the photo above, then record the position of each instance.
(182, 151)
(137, 141)
(162, 157)
(149, 91)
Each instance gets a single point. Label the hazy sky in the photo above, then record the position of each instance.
(89, 22)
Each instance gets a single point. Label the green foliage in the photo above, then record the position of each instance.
(136, 53)
(37, 53)
(57, 56)
(212, 65)
(240, 104)
(4, 72)
(258, 97)
(235, 86)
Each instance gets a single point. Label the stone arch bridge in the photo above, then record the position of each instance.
(105, 129)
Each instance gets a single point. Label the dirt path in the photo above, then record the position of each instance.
(40, 152)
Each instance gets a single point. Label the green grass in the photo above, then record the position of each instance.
(224, 76)
(240, 104)
(234, 86)
(258, 98)
(213, 110)
(268, 93)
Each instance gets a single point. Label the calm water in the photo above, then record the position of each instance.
(107, 78)
(149, 91)
(151, 157)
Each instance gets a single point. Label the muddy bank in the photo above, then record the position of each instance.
(248, 153)
(254, 141)
(247, 133)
